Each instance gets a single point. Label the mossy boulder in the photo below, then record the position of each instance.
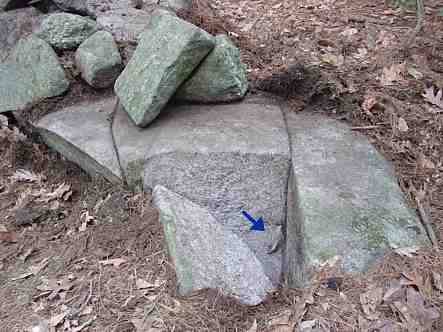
(167, 53)
(99, 60)
(31, 74)
(66, 31)
(221, 77)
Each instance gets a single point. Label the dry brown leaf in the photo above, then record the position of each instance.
(436, 277)
(8, 237)
(61, 192)
(395, 292)
(369, 302)
(402, 125)
(434, 99)
(369, 102)
(307, 325)
(332, 59)
(407, 251)
(23, 175)
(143, 284)
(424, 162)
(115, 261)
(282, 323)
(254, 327)
(392, 74)
(56, 320)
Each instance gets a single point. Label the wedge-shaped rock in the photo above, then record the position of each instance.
(225, 158)
(99, 60)
(66, 31)
(167, 53)
(15, 25)
(82, 134)
(344, 201)
(31, 74)
(221, 77)
(207, 254)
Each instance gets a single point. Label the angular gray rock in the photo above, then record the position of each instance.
(168, 52)
(31, 74)
(207, 254)
(344, 201)
(225, 158)
(82, 134)
(221, 77)
(99, 60)
(66, 31)
(14, 25)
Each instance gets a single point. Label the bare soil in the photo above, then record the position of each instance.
(88, 256)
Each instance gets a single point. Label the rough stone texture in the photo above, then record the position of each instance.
(99, 60)
(82, 134)
(66, 31)
(176, 5)
(167, 53)
(31, 74)
(206, 254)
(74, 6)
(12, 4)
(223, 157)
(344, 200)
(221, 77)
(14, 25)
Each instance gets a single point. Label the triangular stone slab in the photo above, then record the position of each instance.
(344, 201)
(83, 135)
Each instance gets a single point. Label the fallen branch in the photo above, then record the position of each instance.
(426, 221)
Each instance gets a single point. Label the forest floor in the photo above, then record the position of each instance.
(77, 254)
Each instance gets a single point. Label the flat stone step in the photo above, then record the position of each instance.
(343, 202)
(83, 135)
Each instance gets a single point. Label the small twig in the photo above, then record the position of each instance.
(365, 127)
(426, 221)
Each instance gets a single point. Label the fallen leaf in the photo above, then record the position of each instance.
(143, 284)
(392, 74)
(282, 323)
(115, 261)
(3, 228)
(395, 292)
(56, 320)
(369, 302)
(254, 327)
(436, 277)
(349, 32)
(424, 162)
(407, 251)
(402, 125)
(3, 121)
(332, 59)
(415, 73)
(61, 192)
(23, 175)
(8, 237)
(307, 325)
(434, 99)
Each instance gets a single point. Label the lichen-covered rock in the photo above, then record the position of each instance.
(215, 257)
(66, 31)
(221, 77)
(15, 25)
(168, 52)
(344, 201)
(31, 74)
(99, 60)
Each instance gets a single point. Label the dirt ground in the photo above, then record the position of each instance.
(77, 254)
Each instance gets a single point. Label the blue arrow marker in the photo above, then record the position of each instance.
(257, 225)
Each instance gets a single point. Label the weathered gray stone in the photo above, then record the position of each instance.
(207, 254)
(14, 25)
(176, 5)
(73, 6)
(12, 4)
(66, 31)
(223, 157)
(167, 53)
(31, 74)
(221, 77)
(99, 60)
(344, 201)
(82, 134)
